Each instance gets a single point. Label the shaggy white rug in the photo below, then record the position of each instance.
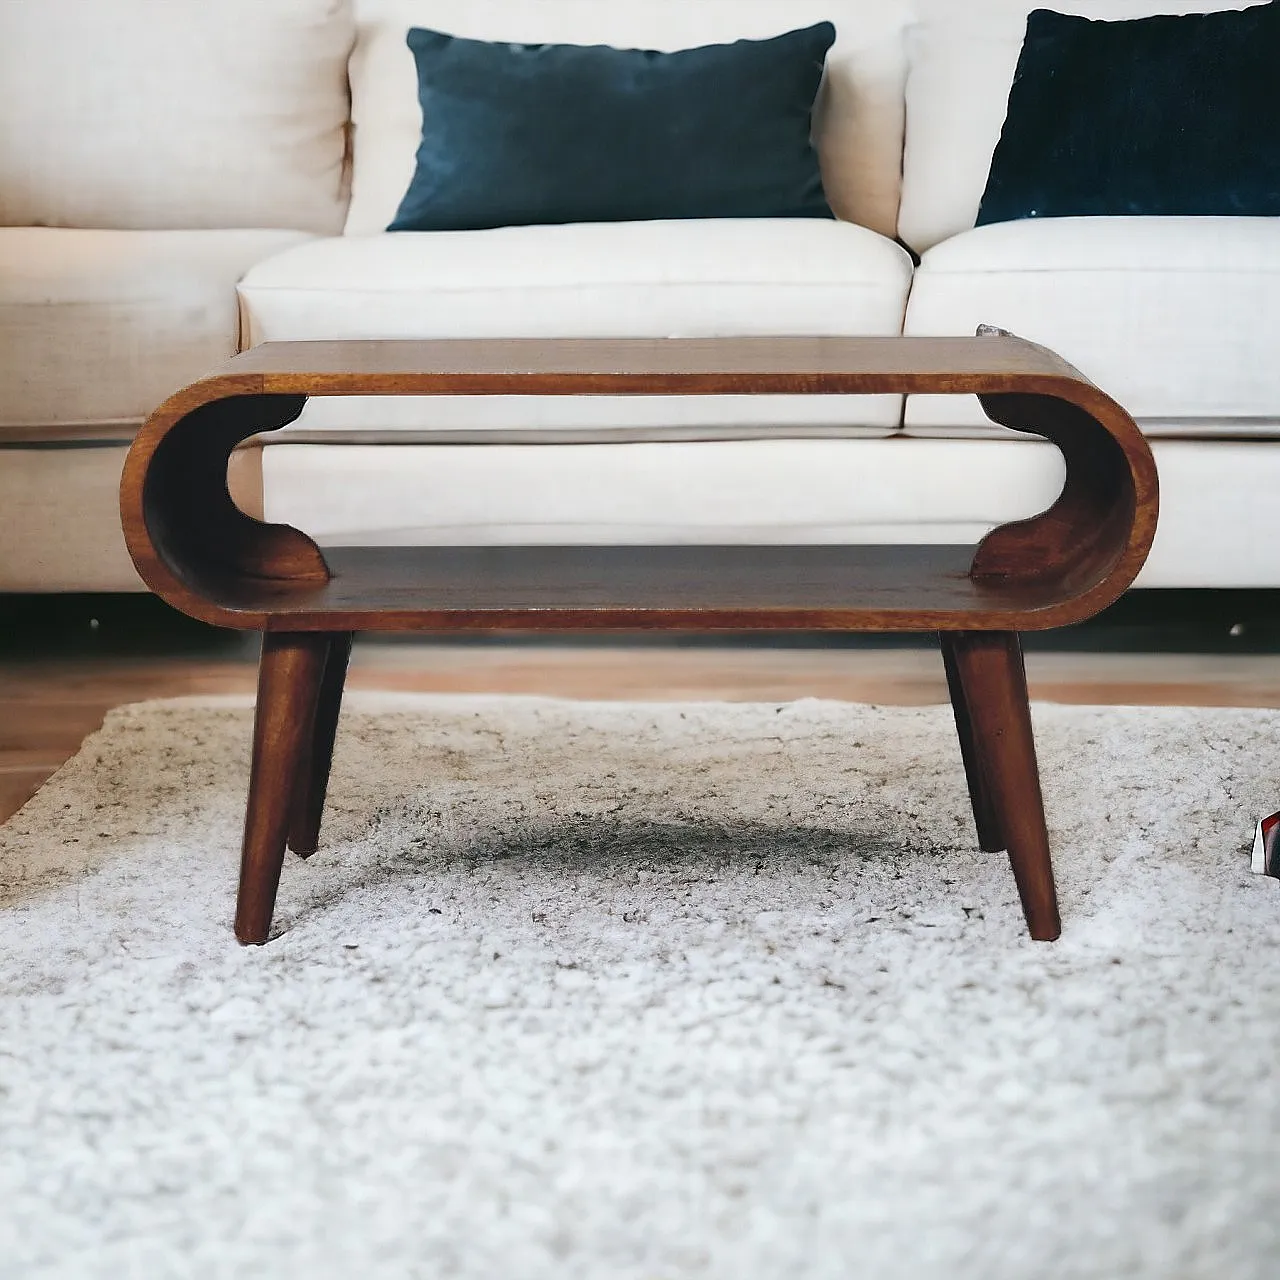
(593, 990)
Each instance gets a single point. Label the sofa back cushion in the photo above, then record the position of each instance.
(162, 114)
(961, 60)
(857, 121)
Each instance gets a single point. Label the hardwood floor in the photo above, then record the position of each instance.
(50, 700)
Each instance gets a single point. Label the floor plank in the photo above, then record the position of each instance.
(17, 787)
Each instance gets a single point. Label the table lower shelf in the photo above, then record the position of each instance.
(856, 588)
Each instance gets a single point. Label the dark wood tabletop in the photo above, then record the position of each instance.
(645, 366)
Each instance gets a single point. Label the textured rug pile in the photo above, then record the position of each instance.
(644, 991)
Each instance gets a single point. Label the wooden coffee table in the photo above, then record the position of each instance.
(203, 555)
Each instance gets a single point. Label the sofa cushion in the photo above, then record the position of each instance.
(1176, 318)
(618, 279)
(522, 134)
(176, 114)
(857, 122)
(961, 63)
(98, 327)
(1173, 114)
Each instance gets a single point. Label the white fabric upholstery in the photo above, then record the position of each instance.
(152, 114)
(961, 62)
(626, 279)
(664, 279)
(1216, 528)
(781, 491)
(589, 419)
(60, 520)
(1177, 318)
(60, 526)
(98, 327)
(857, 127)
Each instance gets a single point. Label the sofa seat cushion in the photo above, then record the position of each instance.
(694, 278)
(98, 327)
(1176, 318)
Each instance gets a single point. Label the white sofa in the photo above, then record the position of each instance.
(188, 178)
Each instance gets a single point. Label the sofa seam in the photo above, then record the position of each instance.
(924, 269)
(547, 288)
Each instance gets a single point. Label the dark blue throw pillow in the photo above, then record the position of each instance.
(1162, 115)
(517, 134)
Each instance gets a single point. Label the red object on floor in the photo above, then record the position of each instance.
(1266, 835)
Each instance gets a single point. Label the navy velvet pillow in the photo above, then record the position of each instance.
(517, 134)
(1162, 115)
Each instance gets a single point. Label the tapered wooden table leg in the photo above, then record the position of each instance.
(990, 671)
(289, 677)
(990, 837)
(313, 776)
